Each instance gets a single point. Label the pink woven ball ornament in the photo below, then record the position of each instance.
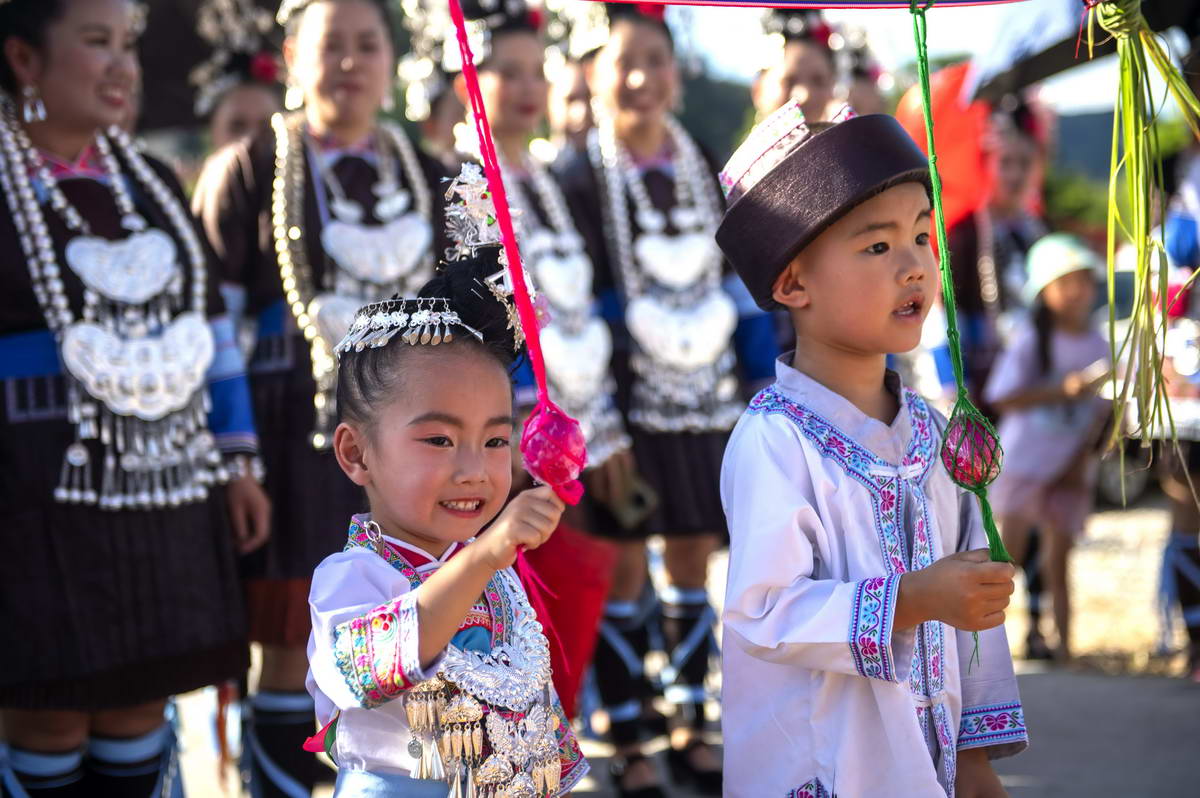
(971, 452)
(555, 451)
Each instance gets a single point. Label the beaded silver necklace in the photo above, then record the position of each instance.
(137, 360)
(677, 313)
(374, 261)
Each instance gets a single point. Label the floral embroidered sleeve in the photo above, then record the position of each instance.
(377, 652)
(778, 606)
(994, 725)
(363, 649)
(992, 716)
(871, 627)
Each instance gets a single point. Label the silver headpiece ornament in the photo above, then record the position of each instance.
(239, 33)
(471, 226)
(426, 322)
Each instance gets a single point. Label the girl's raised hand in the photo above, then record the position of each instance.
(526, 523)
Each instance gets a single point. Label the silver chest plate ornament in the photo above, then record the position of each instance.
(677, 313)
(136, 356)
(497, 701)
(373, 261)
(133, 270)
(677, 262)
(565, 279)
(577, 362)
(380, 254)
(685, 338)
(146, 377)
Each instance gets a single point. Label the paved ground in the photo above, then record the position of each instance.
(1119, 723)
(1097, 735)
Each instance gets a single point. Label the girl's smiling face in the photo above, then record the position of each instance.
(635, 75)
(435, 461)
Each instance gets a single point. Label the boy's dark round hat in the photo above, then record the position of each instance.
(788, 183)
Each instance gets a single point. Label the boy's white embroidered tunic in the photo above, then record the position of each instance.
(827, 508)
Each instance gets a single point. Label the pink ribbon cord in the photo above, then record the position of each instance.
(564, 454)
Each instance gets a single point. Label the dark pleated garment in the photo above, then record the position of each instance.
(684, 468)
(99, 609)
(312, 499)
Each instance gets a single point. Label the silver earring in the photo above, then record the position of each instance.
(32, 107)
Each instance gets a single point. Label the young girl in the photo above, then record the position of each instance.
(647, 203)
(325, 210)
(118, 579)
(425, 653)
(577, 344)
(1044, 386)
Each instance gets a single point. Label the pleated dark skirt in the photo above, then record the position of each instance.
(683, 468)
(104, 609)
(311, 498)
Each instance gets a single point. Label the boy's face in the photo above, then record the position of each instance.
(864, 286)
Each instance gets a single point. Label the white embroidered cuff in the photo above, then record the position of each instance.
(876, 653)
(998, 727)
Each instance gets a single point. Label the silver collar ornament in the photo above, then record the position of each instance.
(137, 358)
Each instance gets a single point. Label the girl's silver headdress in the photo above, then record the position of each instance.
(425, 322)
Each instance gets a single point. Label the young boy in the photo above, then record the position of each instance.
(857, 569)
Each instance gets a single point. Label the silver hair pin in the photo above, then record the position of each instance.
(471, 225)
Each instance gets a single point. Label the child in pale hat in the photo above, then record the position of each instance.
(1044, 386)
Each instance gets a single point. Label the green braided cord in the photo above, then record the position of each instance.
(963, 410)
(995, 543)
(935, 180)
